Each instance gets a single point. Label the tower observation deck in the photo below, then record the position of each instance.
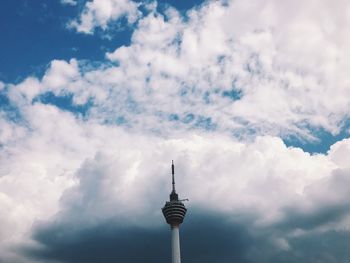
(174, 212)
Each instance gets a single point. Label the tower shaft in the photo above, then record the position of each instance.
(175, 245)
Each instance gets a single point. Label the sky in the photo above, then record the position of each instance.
(251, 99)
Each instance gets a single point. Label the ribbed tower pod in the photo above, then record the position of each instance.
(174, 212)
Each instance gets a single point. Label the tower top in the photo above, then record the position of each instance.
(174, 210)
(173, 196)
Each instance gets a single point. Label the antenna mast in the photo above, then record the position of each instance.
(173, 174)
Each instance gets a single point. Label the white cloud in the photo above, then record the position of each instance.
(338, 153)
(69, 2)
(9, 132)
(60, 75)
(99, 13)
(287, 54)
(25, 92)
(178, 67)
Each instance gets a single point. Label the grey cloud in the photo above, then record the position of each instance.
(328, 247)
(329, 203)
(311, 220)
(103, 243)
(205, 238)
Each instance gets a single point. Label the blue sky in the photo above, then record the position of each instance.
(34, 33)
(249, 98)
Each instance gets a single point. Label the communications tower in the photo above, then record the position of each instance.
(174, 212)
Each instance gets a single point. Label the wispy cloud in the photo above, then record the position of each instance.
(69, 2)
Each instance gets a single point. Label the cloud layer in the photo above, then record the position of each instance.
(85, 149)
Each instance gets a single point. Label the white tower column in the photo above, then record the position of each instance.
(175, 244)
(174, 212)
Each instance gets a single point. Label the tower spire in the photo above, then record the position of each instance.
(173, 174)
(173, 195)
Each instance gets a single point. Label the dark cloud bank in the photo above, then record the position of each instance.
(205, 238)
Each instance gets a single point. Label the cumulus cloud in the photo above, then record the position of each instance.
(215, 69)
(217, 56)
(219, 69)
(99, 13)
(285, 192)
